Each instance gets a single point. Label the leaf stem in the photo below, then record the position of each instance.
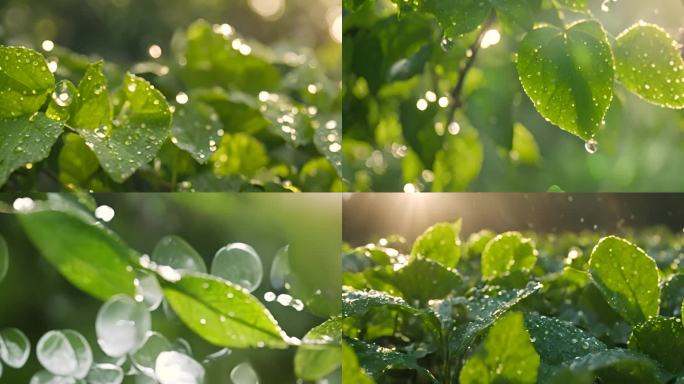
(456, 101)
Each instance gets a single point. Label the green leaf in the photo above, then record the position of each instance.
(649, 63)
(458, 163)
(25, 81)
(440, 243)
(289, 120)
(672, 296)
(627, 277)
(351, 371)
(63, 102)
(619, 366)
(240, 154)
(221, 312)
(320, 352)
(525, 149)
(662, 339)
(140, 127)
(4, 258)
(506, 253)
(423, 279)
(376, 359)
(92, 109)
(89, 255)
(197, 130)
(24, 140)
(212, 60)
(77, 163)
(558, 341)
(506, 355)
(569, 76)
(460, 17)
(481, 310)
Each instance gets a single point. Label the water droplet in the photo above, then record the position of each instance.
(145, 358)
(280, 268)
(176, 253)
(121, 325)
(65, 353)
(446, 43)
(240, 264)
(591, 146)
(105, 374)
(104, 213)
(63, 95)
(243, 373)
(176, 368)
(14, 347)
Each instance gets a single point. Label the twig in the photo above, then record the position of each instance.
(456, 101)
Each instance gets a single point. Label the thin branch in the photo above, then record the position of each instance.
(456, 101)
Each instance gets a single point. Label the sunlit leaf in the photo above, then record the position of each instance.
(568, 74)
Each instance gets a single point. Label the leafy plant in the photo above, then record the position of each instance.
(245, 117)
(559, 308)
(218, 307)
(447, 95)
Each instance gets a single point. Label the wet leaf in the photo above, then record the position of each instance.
(25, 81)
(320, 352)
(140, 127)
(460, 17)
(69, 242)
(440, 243)
(77, 163)
(619, 366)
(507, 253)
(506, 355)
(25, 140)
(568, 74)
(662, 339)
(197, 130)
(223, 313)
(627, 277)
(649, 63)
(351, 371)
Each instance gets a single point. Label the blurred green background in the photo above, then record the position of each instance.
(122, 30)
(35, 298)
(640, 148)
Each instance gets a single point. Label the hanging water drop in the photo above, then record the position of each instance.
(591, 146)
(63, 95)
(176, 368)
(447, 43)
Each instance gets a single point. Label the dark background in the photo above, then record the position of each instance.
(366, 217)
(35, 298)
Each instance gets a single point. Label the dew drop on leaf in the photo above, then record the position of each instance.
(63, 95)
(176, 368)
(591, 146)
(121, 325)
(148, 291)
(243, 373)
(240, 264)
(14, 347)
